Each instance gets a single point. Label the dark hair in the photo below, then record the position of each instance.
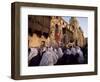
(76, 43)
(43, 41)
(29, 50)
(38, 33)
(45, 34)
(30, 31)
(71, 41)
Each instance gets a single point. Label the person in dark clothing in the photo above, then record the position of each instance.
(35, 61)
(34, 57)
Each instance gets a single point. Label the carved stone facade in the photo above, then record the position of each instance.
(77, 31)
(38, 26)
(58, 30)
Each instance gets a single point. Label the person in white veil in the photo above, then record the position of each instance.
(49, 57)
(46, 59)
(73, 50)
(73, 57)
(59, 52)
(80, 53)
(67, 55)
(33, 53)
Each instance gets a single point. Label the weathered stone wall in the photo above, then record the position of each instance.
(68, 32)
(58, 29)
(77, 31)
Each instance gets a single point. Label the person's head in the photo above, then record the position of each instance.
(48, 45)
(42, 43)
(67, 46)
(71, 41)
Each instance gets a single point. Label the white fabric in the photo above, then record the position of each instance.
(42, 50)
(33, 53)
(53, 54)
(73, 51)
(49, 58)
(81, 57)
(68, 52)
(59, 52)
(46, 59)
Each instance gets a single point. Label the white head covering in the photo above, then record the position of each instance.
(59, 53)
(49, 58)
(46, 59)
(33, 53)
(73, 51)
(81, 57)
(68, 52)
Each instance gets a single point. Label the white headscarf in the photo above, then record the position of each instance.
(81, 57)
(33, 53)
(73, 51)
(68, 52)
(49, 58)
(46, 59)
(59, 52)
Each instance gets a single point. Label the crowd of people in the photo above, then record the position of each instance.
(55, 55)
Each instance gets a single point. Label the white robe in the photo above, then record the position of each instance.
(59, 53)
(33, 53)
(81, 57)
(73, 51)
(49, 58)
(68, 52)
